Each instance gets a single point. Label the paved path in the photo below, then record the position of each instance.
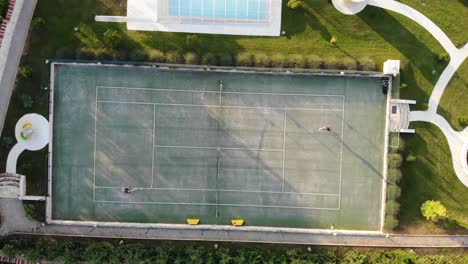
(445, 77)
(458, 141)
(15, 222)
(422, 20)
(11, 50)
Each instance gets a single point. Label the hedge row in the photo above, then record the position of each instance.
(394, 175)
(83, 251)
(277, 60)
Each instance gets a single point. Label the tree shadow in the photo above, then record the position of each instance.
(308, 16)
(390, 29)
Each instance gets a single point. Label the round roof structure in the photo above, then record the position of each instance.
(38, 128)
(350, 7)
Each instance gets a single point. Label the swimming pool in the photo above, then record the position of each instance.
(219, 9)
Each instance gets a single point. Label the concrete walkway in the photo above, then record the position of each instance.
(11, 50)
(422, 20)
(15, 222)
(458, 141)
(445, 78)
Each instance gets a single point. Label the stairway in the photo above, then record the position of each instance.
(10, 185)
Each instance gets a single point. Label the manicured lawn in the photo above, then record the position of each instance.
(374, 33)
(450, 15)
(453, 103)
(430, 177)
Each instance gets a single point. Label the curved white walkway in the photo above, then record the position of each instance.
(421, 19)
(458, 141)
(445, 77)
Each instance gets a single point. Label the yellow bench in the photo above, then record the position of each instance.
(26, 124)
(237, 222)
(193, 221)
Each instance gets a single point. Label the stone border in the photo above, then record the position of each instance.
(228, 228)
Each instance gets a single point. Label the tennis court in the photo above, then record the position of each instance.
(288, 150)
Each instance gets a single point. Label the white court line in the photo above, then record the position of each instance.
(215, 148)
(152, 155)
(95, 132)
(198, 91)
(224, 106)
(341, 151)
(239, 107)
(219, 190)
(284, 147)
(233, 205)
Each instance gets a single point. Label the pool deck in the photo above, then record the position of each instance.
(143, 15)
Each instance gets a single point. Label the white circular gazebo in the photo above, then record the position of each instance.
(350, 7)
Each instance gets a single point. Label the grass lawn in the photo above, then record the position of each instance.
(374, 33)
(430, 177)
(453, 102)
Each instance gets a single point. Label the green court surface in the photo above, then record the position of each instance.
(216, 145)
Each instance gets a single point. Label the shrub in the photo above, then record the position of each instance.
(84, 54)
(443, 57)
(104, 54)
(278, 60)
(355, 257)
(138, 55)
(391, 223)
(209, 59)
(314, 61)
(120, 55)
(38, 23)
(433, 210)
(367, 64)
(298, 61)
(191, 58)
(392, 207)
(293, 4)
(112, 38)
(244, 59)
(27, 101)
(393, 192)
(395, 160)
(26, 72)
(463, 120)
(394, 175)
(410, 158)
(173, 57)
(333, 63)
(155, 55)
(396, 143)
(262, 60)
(349, 64)
(225, 59)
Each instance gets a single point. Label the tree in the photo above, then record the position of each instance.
(355, 257)
(433, 210)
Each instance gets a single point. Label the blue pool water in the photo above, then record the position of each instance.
(231, 9)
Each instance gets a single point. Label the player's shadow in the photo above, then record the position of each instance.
(363, 160)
